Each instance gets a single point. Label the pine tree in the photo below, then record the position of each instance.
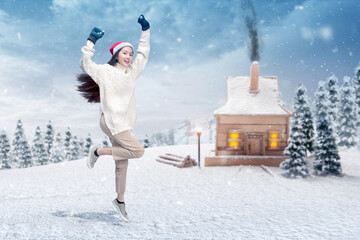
(158, 139)
(296, 164)
(211, 126)
(356, 81)
(81, 148)
(326, 156)
(4, 151)
(332, 89)
(74, 148)
(346, 130)
(105, 143)
(321, 102)
(88, 144)
(49, 137)
(303, 114)
(189, 131)
(326, 153)
(67, 144)
(146, 142)
(170, 138)
(21, 150)
(58, 150)
(40, 156)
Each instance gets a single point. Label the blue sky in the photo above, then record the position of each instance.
(195, 45)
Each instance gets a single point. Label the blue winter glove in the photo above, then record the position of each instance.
(95, 34)
(143, 22)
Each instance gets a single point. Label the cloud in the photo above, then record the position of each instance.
(308, 34)
(305, 46)
(326, 33)
(23, 76)
(178, 28)
(61, 104)
(3, 15)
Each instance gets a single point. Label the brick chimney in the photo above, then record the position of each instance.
(254, 77)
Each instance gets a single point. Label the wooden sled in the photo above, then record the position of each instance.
(177, 161)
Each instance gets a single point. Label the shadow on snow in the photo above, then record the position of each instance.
(109, 217)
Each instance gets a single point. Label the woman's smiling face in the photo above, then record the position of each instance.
(125, 56)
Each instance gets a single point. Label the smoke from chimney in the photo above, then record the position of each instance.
(251, 22)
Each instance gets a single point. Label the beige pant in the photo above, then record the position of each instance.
(124, 146)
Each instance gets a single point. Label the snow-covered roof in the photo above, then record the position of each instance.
(241, 102)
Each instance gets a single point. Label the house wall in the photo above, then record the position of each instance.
(259, 126)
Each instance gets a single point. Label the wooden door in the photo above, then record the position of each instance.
(254, 145)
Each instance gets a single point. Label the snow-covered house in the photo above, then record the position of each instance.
(252, 127)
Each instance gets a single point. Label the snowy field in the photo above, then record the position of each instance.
(69, 201)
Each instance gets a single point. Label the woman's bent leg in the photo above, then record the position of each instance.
(126, 146)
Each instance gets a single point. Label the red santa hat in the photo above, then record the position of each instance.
(119, 45)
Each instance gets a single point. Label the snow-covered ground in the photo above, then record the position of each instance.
(69, 201)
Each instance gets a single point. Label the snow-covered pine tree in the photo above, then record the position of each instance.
(58, 150)
(49, 137)
(105, 142)
(326, 153)
(211, 125)
(332, 89)
(356, 81)
(88, 144)
(67, 144)
(4, 151)
(188, 127)
(146, 142)
(40, 156)
(303, 114)
(81, 148)
(170, 138)
(296, 164)
(74, 148)
(321, 101)
(158, 139)
(21, 154)
(346, 130)
(326, 150)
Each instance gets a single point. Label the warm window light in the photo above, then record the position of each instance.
(233, 144)
(233, 139)
(274, 135)
(273, 144)
(234, 135)
(274, 138)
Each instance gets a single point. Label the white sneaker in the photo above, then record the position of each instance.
(120, 207)
(91, 159)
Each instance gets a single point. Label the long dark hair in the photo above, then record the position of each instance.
(88, 87)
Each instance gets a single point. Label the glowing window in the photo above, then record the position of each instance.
(274, 135)
(234, 135)
(233, 144)
(274, 144)
(234, 139)
(274, 139)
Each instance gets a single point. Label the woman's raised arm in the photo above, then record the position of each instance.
(144, 47)
(86, 63)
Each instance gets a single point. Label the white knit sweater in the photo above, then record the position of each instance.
(117, 85)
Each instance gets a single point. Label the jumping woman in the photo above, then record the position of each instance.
(113, 85)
